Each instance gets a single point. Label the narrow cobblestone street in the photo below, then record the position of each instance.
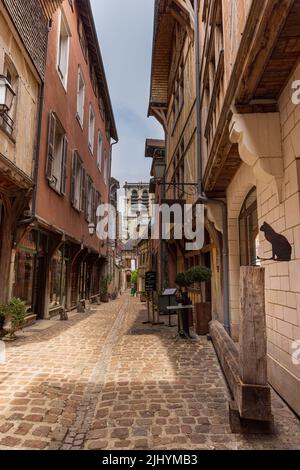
(106, 381)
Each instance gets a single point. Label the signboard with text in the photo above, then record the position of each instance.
(151, 279)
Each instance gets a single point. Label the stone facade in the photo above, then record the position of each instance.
(249, 148)
(138, 208)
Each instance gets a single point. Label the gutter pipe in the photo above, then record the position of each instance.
(201, 196)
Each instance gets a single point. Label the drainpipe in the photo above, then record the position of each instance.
(201, 196)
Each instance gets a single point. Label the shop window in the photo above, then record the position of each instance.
(59, 266)
(24, 270)
(56, 168)
(249, 231)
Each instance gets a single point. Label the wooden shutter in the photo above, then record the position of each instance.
(73, 179)
(64, 164)
(83, 190)
(51, 146)
(94, 206)
(87, 197)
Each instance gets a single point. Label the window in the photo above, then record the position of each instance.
(82, 39)
(91, 129)
(145, 200)
(56, 167)
(90, 201)
(97, 204)
(7, 119)
(99, 151)
(78, 183)
(249, 231)
(105, 167)
(80, 97)
(178, 95)
(63, 50)
(179, 173)
(134, 200)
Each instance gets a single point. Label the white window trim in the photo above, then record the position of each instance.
(79, 118)
(64, 80)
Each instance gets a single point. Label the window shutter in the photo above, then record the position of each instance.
(83, 190)
(87, 198)
(94, 206)
(51, 145)
(64, 166)
(73, 179)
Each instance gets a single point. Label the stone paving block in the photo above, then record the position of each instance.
(126, 386)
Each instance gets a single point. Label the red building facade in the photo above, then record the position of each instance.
(61, 260)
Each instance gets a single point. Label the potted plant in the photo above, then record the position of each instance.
(198, 276)
(104, 289)
(134, 281)
(183, 281)
(14, 317)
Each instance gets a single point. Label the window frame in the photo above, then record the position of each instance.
(244, 216)
(100, 151)
(92, 129)
(63, 77)
(53, 125)
(79, 117)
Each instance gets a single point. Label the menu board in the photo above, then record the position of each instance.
(151, 279)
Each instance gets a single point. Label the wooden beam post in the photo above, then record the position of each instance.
(253, 338)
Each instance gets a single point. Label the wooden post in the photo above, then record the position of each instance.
(253, 341)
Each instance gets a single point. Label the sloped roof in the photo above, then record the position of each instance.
(161, 54)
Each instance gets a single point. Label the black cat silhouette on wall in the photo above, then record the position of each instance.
(281, 248)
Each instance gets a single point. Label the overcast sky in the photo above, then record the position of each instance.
(125, 31)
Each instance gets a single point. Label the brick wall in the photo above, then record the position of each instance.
(31, 25)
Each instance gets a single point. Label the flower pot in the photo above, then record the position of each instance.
(105, 298)
(203, 318)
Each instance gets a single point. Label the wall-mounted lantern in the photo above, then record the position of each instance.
(7, 95)
(92, 229)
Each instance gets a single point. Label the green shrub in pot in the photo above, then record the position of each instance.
(199, 274)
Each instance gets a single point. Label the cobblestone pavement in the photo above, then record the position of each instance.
(106, 381)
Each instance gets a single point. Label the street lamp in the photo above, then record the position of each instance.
(7, 95)
(92, 229)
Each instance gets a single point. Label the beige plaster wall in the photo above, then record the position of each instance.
(19, 148)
